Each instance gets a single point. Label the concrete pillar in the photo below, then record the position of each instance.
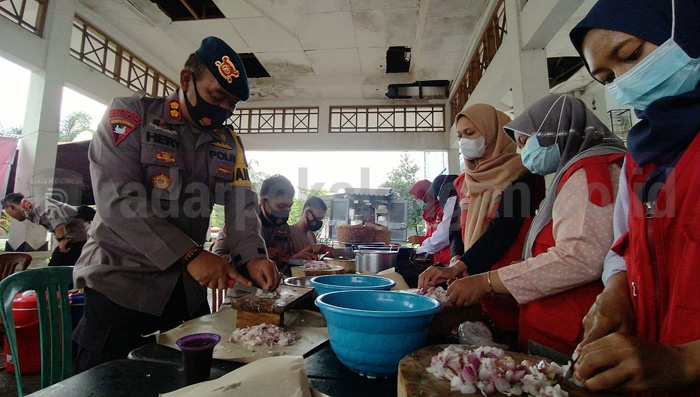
(528, 68)
(37, 148)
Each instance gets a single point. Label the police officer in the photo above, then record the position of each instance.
(61, 219)
(157, 166)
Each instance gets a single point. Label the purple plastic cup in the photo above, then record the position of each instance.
(197, 350)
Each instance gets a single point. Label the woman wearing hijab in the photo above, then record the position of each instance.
(643, 333)
(438, 243)
(498, 197)
(559, 275)
(430, 210)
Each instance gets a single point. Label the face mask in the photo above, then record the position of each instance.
(314, 224)
(667, 71)
(540, 160)
(472, 149)
(278, 217)
(205, 114)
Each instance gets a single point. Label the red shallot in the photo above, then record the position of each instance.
(263, 334)
(316, 265)
(488, 370)
(437, 293)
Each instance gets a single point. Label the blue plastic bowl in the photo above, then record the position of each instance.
(371, 331)
(343, 282)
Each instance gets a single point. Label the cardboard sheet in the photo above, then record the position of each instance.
(310, 326)
(272, 376)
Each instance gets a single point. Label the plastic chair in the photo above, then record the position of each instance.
(10, 260)
(55, 327)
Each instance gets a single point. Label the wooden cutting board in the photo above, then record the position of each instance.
(414, 379)
(254, 310)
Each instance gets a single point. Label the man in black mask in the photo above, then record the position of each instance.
(304, 231)
(276, 200)
(158, 165)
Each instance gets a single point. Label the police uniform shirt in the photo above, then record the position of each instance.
(155, 179)
(51, 214)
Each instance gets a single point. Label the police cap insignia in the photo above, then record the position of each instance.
(226, 66)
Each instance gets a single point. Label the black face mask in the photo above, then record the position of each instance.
(206, 115)
(278, 217)
(313, 224)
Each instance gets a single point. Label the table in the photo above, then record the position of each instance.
(326, 373)
(120, 378)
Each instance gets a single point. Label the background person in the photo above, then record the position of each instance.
(643, 332)
(158, 165)
(438, 243)
(559, 277)
(66, 222)
(303, 232)
(430, 209)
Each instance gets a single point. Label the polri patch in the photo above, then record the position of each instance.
(160, 181)
(122, 122)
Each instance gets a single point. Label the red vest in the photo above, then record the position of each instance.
(503, 311)
(555, 321)
(662, 251)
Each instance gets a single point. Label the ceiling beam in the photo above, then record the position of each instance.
(540, 20)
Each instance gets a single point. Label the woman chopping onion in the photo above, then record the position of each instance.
(498, 197)
(643, 333)
(559, 276)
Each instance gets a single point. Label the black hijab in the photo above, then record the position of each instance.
(668, 125)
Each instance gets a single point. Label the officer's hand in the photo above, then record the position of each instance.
(275, 254)
(213, 271)
(305, 255)
(264, 272)
(62, 246)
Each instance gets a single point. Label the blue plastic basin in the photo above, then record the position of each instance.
(371, 331)
(343, 282)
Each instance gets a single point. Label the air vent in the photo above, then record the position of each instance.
(398, 60)
(253, 67)
(189, 10)
(428, 89)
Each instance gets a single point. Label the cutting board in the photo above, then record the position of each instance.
(254, 310)
(414, 379)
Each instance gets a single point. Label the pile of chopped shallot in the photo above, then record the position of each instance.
(437, 293)
(316, 265)
(488, 370)
(263, 334)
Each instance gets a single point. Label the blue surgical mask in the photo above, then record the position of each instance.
(538, 159)
(667, 71)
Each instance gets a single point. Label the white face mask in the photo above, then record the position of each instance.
(472, 149)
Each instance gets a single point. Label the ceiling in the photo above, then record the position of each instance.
(312, 49)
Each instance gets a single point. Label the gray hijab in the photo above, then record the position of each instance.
(565, 121)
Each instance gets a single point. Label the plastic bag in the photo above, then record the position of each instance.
(477, 333)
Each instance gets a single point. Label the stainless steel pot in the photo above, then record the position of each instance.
(371, 259)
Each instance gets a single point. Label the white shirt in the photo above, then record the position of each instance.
(613, 262)
(441, 238)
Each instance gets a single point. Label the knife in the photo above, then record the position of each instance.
(569, 375)
(239, 290)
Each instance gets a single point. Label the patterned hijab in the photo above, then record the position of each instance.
(487, 177)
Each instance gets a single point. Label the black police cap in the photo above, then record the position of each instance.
(226, 66)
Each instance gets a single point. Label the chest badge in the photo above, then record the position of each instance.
(165, 157)
(160, 181)
(221, 141)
